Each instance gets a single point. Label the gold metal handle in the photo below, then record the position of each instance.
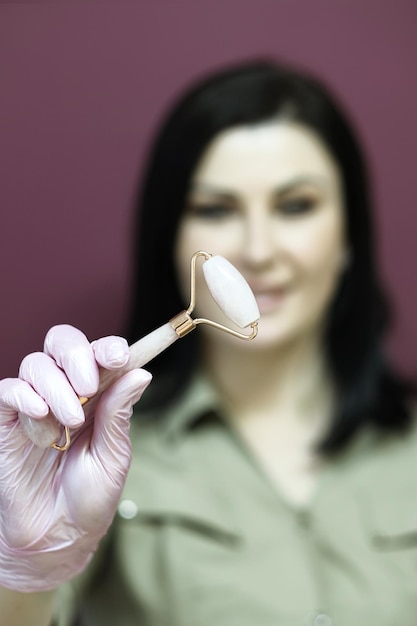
(182, 323)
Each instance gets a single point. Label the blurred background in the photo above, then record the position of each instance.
(82, 87)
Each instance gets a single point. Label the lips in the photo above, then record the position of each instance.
(269, 300)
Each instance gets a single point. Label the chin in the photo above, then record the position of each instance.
(274, 334)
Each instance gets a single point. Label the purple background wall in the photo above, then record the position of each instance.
(82, 87)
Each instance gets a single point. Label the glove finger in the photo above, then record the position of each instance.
(50, 382)
(111, 352)
(72, 351)
(17, 396)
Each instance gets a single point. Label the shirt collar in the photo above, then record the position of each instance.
(198, 400)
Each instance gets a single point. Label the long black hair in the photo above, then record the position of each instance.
(250, 93)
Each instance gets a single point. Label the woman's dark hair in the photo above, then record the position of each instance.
(251, 93)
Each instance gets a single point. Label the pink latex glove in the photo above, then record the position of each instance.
(56, 506)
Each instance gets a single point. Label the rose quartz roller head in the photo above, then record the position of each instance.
(231, 291)
(234, 297)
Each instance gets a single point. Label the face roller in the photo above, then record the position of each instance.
(229, 290)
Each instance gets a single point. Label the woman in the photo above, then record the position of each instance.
(272, 481)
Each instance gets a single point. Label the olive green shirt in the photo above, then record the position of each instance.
(203, 538)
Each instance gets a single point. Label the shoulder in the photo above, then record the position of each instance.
(384, 472)
(381, 456)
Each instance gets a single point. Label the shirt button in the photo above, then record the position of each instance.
(127, 509)
(322, 620)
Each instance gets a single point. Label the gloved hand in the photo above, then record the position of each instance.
(56, 506)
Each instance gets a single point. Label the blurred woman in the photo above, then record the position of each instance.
(272, 481)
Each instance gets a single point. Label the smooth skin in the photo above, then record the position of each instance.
(269, 199)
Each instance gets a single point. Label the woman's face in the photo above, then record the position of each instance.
(268, 198)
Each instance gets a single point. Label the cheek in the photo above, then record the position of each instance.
(320, 247)
(325, 275)
(325, 261)
(190, 239)
(215, 238)
(320, 255)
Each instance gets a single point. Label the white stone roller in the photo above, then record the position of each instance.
(231, 291)
(233, 295)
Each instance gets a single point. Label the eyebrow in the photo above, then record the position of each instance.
(282, 189)
(211, 190)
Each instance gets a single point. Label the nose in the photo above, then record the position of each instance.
(258, 246)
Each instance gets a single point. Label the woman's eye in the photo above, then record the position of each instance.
(210, 210)
(297, 206)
